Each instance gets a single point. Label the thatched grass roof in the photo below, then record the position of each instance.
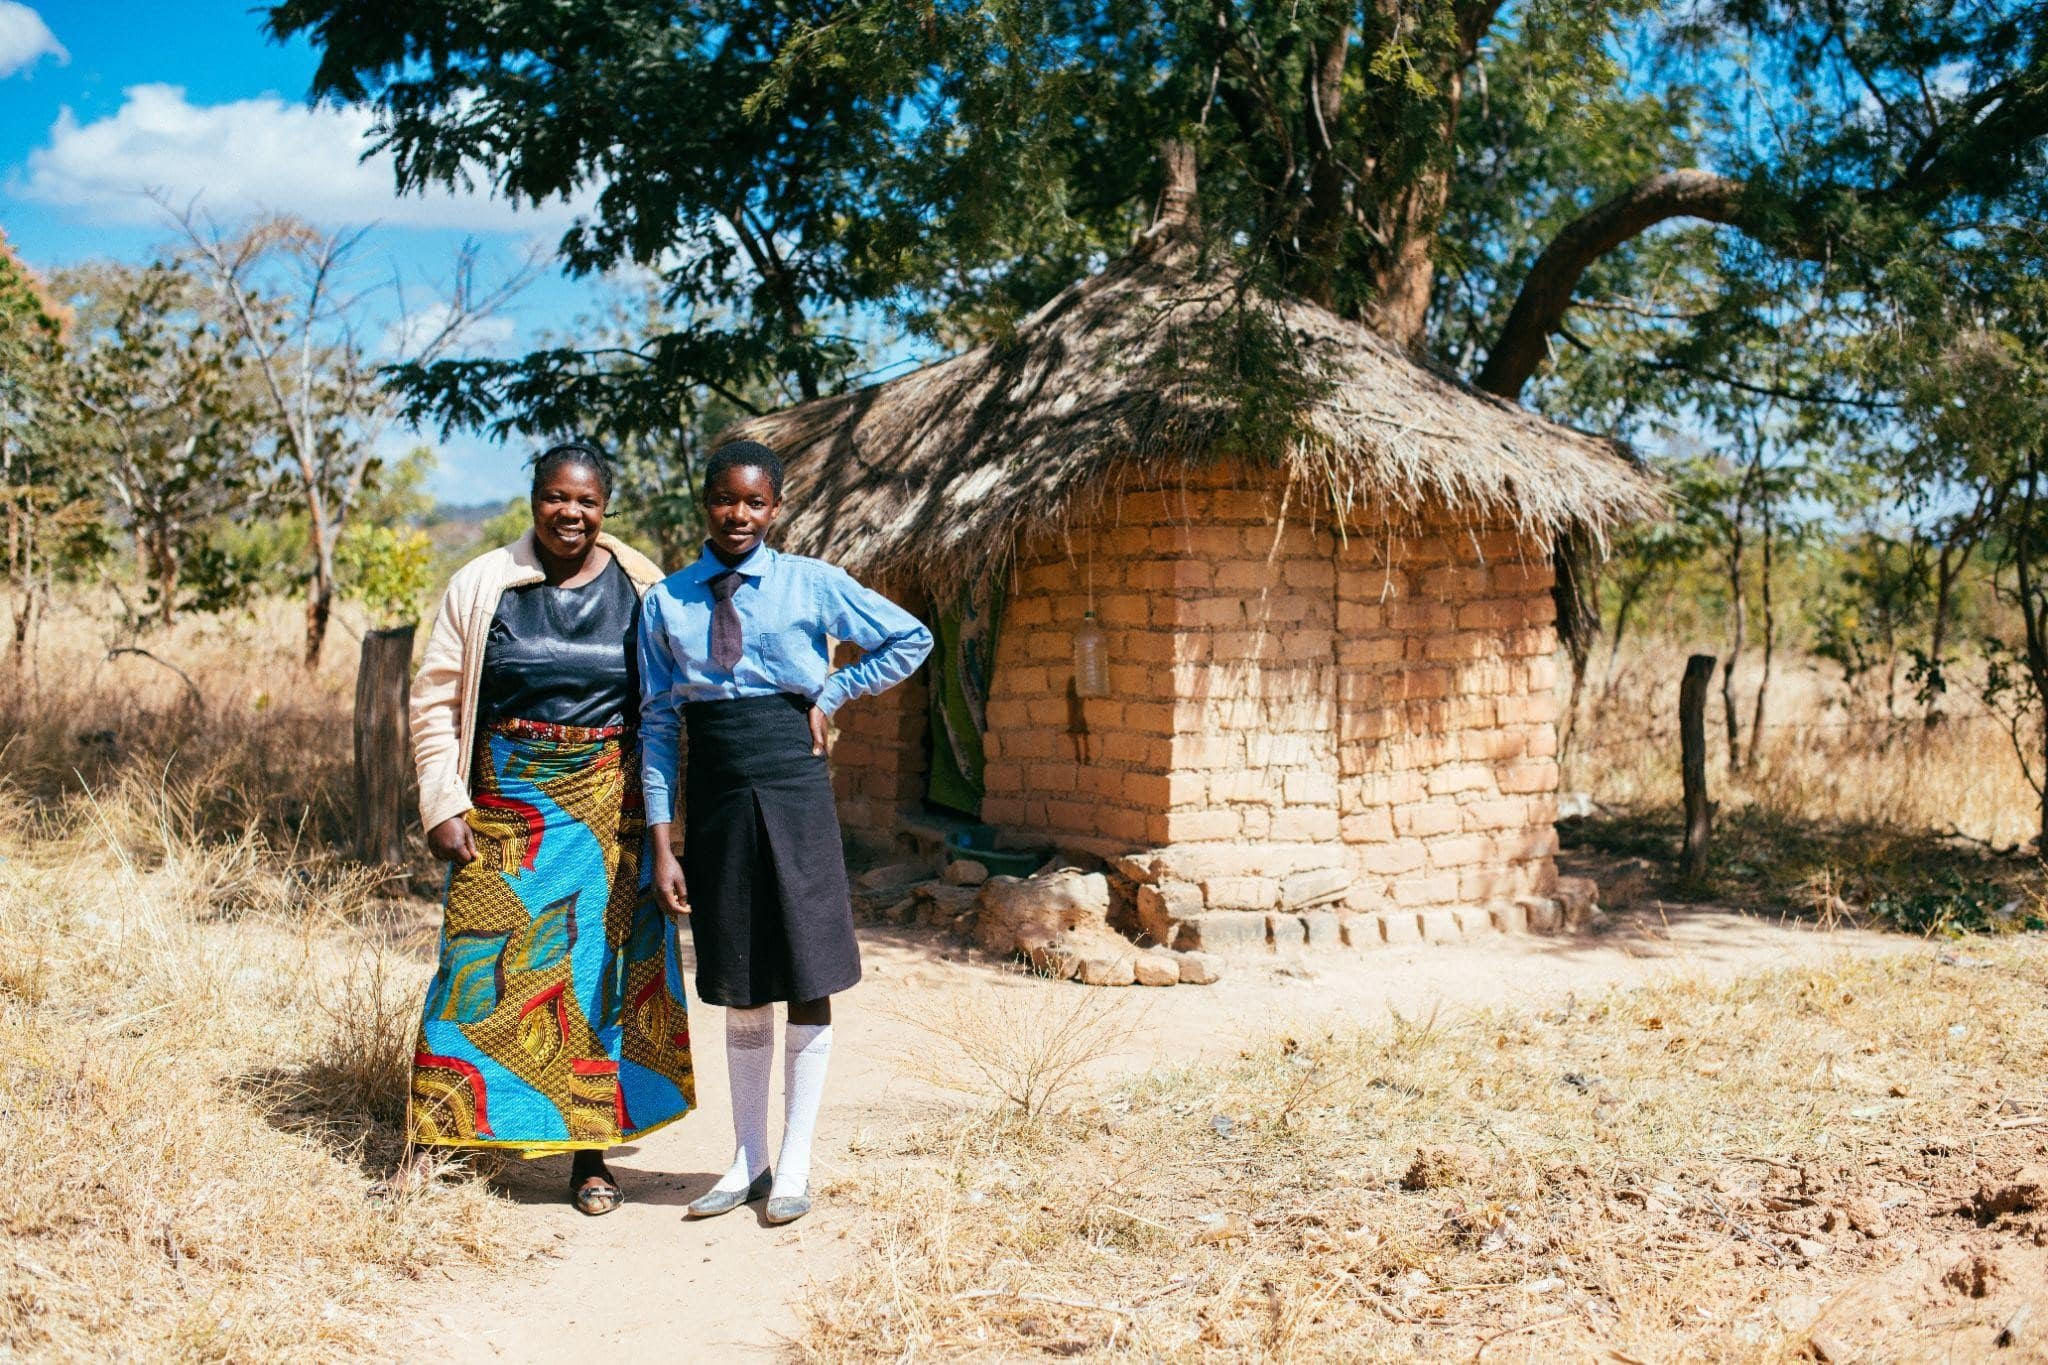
(1140, 371)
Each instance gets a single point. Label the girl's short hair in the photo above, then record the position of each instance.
(744, 455)
(588, 454)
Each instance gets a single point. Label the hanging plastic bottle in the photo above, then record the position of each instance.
(1091, 659)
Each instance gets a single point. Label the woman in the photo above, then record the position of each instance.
(556, 1022)
(734, 649)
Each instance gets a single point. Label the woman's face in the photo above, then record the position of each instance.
(568, 509)
(739, 507)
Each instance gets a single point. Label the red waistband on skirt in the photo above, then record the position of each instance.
(560, 734)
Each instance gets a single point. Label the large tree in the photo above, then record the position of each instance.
(166, 412)
(46, 505)
(302, 320)
(781, 165)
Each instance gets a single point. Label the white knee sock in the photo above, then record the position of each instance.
(806, 1050)
(749, 1057)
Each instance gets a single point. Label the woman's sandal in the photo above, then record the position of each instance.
(595, 1199)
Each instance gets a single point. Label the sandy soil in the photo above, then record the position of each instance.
(644, 1284)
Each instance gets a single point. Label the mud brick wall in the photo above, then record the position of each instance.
(881, 748)
(1285, 700)
(1446, 717)
(1093, 774)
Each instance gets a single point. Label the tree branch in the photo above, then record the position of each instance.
(1960, 156)
(1547, 292)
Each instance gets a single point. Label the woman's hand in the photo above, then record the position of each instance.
(819, 731)
(670, 892)
(452, 842)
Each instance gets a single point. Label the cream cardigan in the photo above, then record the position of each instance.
(444, 691)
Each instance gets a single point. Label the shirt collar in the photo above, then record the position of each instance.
(755, 565)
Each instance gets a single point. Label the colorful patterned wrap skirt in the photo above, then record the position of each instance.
(557, 1018)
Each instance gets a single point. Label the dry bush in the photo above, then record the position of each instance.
(203, 1024)
(1026, 1044)
(1679, 1172)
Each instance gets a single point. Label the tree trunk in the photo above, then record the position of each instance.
(320, 590)
(1738, 622)
(1692, 740)
(1402, 284)
(165, 559)
(381, 748)
(1631, 594)
(1770, 622)
(1323, 221)
(319, 608)
(2033, 605)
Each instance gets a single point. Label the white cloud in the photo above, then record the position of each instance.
(479, 336)
(25, 39)
(246, 156)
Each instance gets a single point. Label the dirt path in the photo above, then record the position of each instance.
(642, 1284)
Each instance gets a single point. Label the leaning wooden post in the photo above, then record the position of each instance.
(381, 744)
(1692, 739)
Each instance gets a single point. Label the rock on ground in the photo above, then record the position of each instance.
(1156, 969)
(1032, 914)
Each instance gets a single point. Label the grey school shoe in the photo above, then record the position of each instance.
(725, 1201)
(788, 1208)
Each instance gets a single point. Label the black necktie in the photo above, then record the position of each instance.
(725, 621)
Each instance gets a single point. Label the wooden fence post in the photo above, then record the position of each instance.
(1692, 739)
(382, 748)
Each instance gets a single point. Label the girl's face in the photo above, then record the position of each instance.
(739, 507)
(568, 509)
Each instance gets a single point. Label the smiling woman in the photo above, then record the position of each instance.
(556, 1021)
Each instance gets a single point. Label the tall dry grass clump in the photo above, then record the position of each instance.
(1681, 1172)
(1027, 1041)
(204, 1021)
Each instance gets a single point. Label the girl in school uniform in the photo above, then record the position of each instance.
(733, 654)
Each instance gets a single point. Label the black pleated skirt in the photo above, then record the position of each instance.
(770, 911)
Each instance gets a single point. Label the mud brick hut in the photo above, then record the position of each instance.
(1329, 613)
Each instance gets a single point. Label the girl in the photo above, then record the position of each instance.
(733, 652)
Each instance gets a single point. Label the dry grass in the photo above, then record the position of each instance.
(1675, 1173)
(1849, 815)
(1830, 754)
(203, 1024)
(1029, 1043)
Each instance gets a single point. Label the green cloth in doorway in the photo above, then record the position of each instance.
(962, 665)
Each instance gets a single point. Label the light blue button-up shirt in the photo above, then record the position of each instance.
(788, 605)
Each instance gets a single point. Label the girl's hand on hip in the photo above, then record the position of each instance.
(452, 842)
(820, 732)
(670, 892)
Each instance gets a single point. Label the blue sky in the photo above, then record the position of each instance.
(102, 102)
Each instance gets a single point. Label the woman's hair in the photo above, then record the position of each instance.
(577, 452)
(744, 455)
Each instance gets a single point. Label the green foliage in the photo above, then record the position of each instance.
(54, 522)
(1959, 905)
(396, 494)
(1917, 881)
(166, 418)
(214, 578)
(389, 570)
(507, 526)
